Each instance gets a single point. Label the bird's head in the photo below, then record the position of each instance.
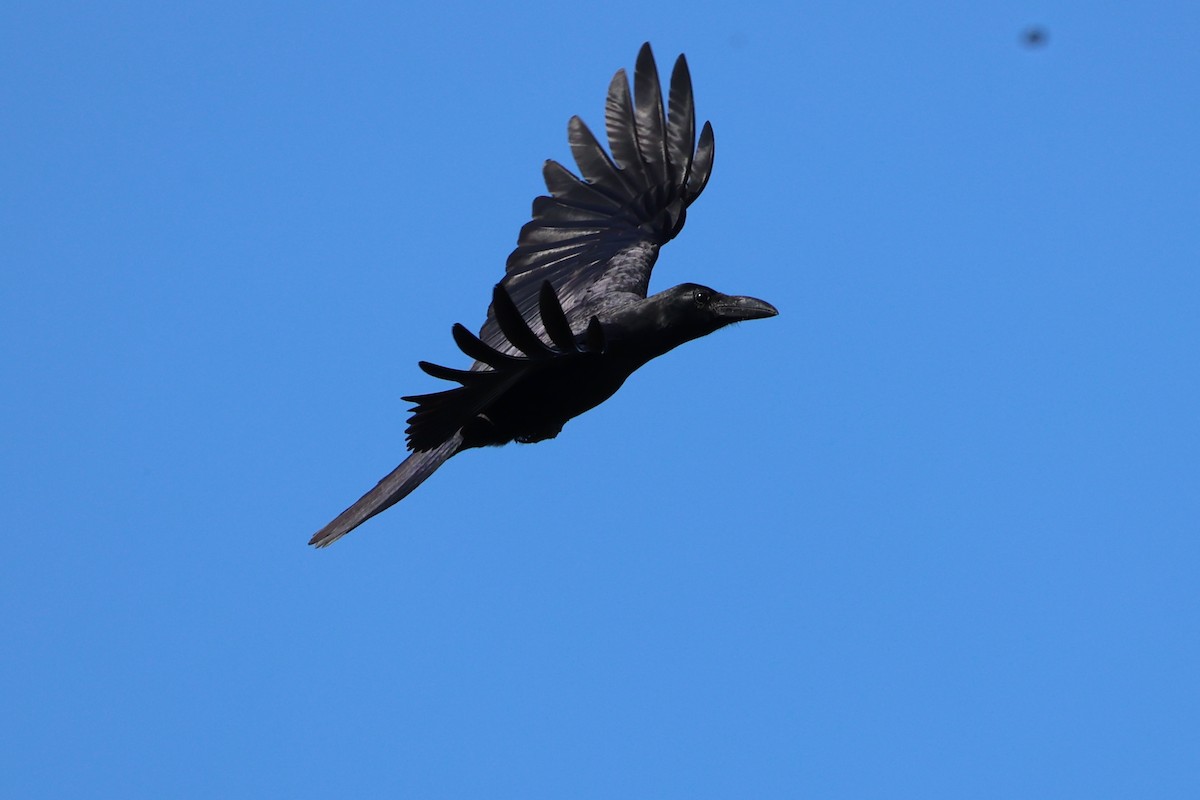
(700, 310)
(680, 314)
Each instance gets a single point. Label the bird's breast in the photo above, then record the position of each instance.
(541, 402)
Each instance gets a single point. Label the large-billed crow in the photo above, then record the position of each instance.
(571, 321)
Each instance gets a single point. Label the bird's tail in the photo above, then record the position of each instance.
(389, 491)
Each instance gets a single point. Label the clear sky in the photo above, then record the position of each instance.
(932, 532)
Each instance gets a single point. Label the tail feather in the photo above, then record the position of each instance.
(389, 491)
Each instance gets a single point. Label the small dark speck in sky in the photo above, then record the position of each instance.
(1034, 36)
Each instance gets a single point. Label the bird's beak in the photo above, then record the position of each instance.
(740, 309)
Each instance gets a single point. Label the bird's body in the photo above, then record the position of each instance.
(571, 320)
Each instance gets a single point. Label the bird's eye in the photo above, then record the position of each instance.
(702, 297)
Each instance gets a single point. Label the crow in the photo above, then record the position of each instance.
(571, 320)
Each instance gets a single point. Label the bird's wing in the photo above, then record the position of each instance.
(595, 238)
(439, 417)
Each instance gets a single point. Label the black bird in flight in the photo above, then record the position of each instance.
(571, 321)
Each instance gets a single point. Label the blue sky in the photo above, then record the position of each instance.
(932, 532)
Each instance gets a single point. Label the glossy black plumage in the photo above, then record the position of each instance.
(596, 238)
(571, 320)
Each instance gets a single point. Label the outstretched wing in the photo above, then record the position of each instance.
(595, 238)
(439, 416)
